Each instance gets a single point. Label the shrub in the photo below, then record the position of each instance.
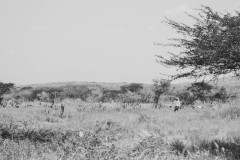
(130, 97)
(178, 147)
(76, 91)
(203, 92)
(110, 95)
(133, 87)
(5, 88)
(186, 97)
(147, 95)
(221, 95)
(200, 91)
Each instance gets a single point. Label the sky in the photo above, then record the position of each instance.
(45, 41)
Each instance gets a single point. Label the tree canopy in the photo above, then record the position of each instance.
(133, 87)
(5, 87)
(210, 47)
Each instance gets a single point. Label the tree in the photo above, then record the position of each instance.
(44, 96)
(201, 91)
(109, 95)
(221, 95)
(160, 87)
(5, 88)
(51, 91)
(209, 48)
(133, 87)
(26, 88)
(76, 91)
(53, 94)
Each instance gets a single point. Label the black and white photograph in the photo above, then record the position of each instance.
(119, 80)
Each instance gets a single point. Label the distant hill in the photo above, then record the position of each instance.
(89, 84)
(230, 83)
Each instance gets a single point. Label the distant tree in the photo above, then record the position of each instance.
(201, 91)
(186, 97)
(210, 47)
(76, 91)
(221, 95)
(26, 88)
(129, 97)
(25, 95)
(5, 88)
(110, 95)
(44, 96)
(53, 93)
(133, 87)
(160, 87)
(147, 95)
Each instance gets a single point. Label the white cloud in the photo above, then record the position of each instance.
(116, 30)
(180, 9)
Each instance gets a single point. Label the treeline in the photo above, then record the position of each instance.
(129, 93)
(204, 92)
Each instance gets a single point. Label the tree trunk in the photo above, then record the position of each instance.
(157, 101)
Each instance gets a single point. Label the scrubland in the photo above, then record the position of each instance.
(85, 131)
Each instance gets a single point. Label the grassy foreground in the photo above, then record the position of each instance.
(37, 132)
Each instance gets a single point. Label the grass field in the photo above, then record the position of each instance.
(39, 132)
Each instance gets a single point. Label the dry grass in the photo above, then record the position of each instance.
(38, 132)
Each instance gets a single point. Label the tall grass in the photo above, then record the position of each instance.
(143, 133)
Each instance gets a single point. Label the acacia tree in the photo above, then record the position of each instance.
(4, 88)
(132, 87)
(160, 87)
(201, 91)
(52, 92)
(209, 48)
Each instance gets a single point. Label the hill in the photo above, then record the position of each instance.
(232, 84)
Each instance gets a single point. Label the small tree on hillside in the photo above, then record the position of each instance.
(76, 91)
(52, 92)
(201, 91)
(5, 88)
(44, 96)
(221, 95)
(133, 87)
(110, 95)
(210, 47)
(26, 88)
(160, 87)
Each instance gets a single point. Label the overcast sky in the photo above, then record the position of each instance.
(89, 40)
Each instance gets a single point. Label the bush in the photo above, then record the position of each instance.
(133, 87)
(5, 88)
(221, 95)
(76, 91)
(110, 95)
(186, 97)
(203, 92)
(130, 97)
(147, 95)
(52, 92)
(200, 91)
